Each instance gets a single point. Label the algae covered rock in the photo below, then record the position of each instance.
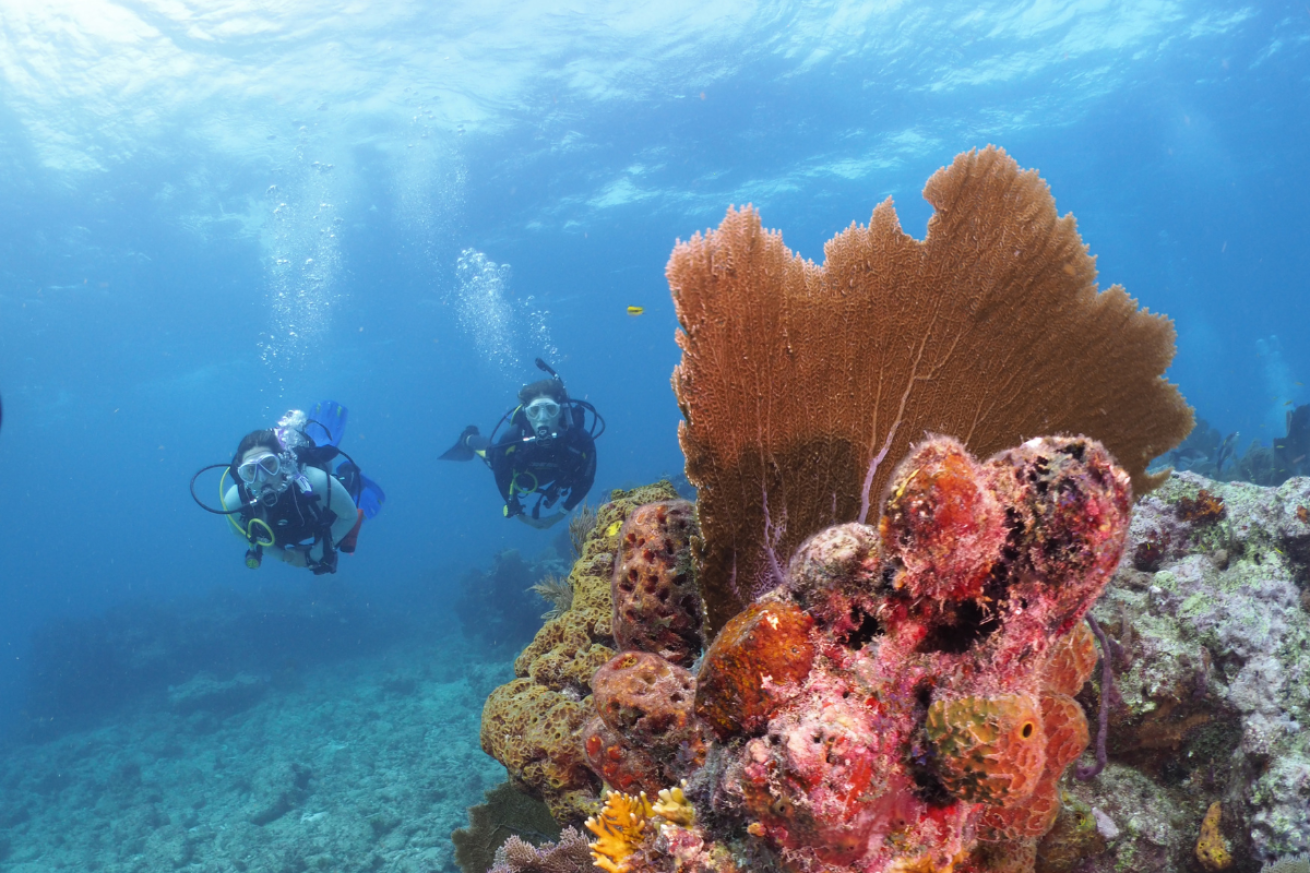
(1207, 616)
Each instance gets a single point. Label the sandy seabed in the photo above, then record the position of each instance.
(367, 765)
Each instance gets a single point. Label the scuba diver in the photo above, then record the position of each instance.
(284, 498)
(547, 451)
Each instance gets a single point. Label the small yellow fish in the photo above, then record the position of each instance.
(636, 310)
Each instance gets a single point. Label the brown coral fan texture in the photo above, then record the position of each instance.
(801, 384)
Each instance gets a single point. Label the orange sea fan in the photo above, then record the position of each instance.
(802, 386)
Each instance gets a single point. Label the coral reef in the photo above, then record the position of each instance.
(79, 670)
(1206, 453)
(364, 763)
(507, 814)
(991, 329)
(868, 716)
(531, 724)
(1212, 696)
(1214, 680)
(570, 854)
(657, 607)
(645, 734)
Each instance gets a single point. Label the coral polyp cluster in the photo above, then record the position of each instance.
(902, 699)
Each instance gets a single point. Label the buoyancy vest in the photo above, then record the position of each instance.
(297, 517)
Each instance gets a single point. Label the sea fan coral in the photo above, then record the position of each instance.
(802, 385)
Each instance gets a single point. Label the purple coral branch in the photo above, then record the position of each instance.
(771, 537)
(1103, 713)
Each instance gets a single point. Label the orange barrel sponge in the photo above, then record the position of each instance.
(755, 665)
(987, 749)
(657, 606)
(942, 523)
(1071, 661)
(1065, 728)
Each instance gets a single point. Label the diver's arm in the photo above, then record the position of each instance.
(334, 495)
(584, 474)
(344, 507)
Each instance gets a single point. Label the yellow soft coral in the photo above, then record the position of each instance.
(674, 807)
(619, 827)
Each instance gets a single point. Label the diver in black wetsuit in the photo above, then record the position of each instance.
(546, 455)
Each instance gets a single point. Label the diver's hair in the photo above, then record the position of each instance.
(265, 438)
(552, 388)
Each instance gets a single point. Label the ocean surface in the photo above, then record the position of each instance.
(214, 212)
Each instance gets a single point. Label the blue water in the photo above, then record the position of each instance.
(213, 215)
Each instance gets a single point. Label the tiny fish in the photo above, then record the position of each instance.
(636, 310)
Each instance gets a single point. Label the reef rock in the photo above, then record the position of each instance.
(1208, 618)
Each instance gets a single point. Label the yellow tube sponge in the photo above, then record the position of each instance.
(1211, 847)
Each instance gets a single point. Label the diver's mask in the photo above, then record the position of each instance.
(543, 415)
(261, 475)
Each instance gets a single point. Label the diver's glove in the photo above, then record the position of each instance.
(327, 565)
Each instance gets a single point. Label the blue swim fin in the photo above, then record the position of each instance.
(366, 493)
(327, 423)
(371, 498)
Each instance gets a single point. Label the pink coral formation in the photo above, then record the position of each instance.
(901, 700)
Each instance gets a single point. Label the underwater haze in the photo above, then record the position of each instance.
(218, 210)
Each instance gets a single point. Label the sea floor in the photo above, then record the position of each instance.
(360, 765)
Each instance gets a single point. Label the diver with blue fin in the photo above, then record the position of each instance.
(546, 454)
(285, 499)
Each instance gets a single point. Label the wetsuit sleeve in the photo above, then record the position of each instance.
(583, 473)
